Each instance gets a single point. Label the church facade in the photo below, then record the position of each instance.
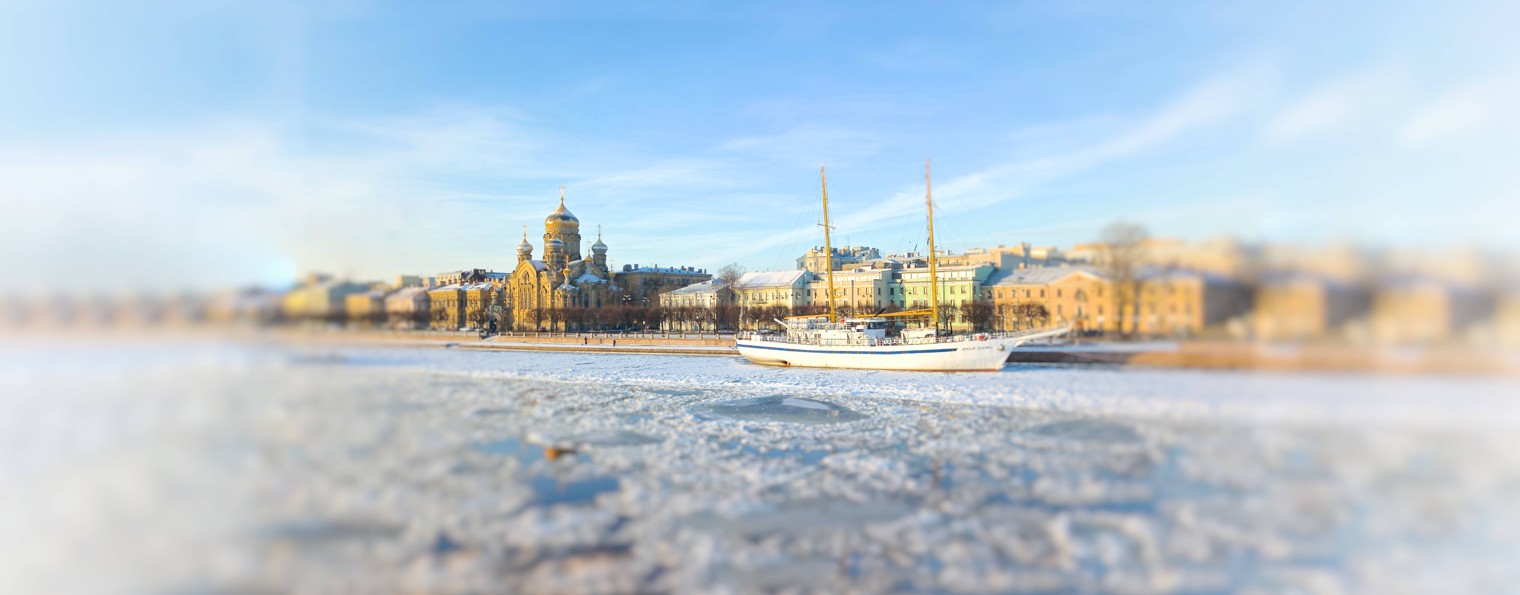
(563, 278)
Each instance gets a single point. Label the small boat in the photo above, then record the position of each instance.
(864, 343)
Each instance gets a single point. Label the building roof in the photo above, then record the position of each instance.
(665, 270)
(758, 279)
(406, 293)
(1038, 275)
(701, 288)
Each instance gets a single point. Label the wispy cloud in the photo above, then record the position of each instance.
(1464, 110)
(1204, 104)
(808, 145)
(1209, 102)
(1332, 107)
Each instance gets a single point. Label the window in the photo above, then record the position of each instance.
(1058, 293)
(1042, 293)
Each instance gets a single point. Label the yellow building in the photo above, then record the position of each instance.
(319, 297)
(444, 313)
(1507, 317)
(697, 307)
(1298, 306)
(641, 286)
(765, 295)
(1179, 303)
(1417, 309)
(1170, 303)
(859, 291)
(366, 308)
(1037, 297)
(463, 305)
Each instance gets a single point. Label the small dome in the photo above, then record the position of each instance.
(523, 246)
(553, 244)
(598, 246)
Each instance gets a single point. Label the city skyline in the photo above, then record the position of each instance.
(218, 146)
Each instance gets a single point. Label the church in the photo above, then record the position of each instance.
(562, 278)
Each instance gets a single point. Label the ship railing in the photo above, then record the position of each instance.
(960, 338)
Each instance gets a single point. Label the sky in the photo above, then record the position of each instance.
(150, 145)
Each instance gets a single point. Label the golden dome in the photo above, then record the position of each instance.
(561, 217)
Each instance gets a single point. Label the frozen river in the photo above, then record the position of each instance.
(207, 467)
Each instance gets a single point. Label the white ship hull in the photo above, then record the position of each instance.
(948, 356)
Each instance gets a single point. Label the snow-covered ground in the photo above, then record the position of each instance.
(191, 467)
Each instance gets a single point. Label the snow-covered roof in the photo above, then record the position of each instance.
(407, 293)
(587, 278)
(1037, 276)
(769, 279)
(700, 288)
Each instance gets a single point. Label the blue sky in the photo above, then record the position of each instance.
(208, 144)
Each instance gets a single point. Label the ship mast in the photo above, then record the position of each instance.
(933, 279)
(828, 249)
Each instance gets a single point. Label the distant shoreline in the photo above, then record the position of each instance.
(1191, 355)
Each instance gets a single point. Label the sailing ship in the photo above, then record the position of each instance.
(870, 343)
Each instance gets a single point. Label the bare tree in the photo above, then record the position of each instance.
(1034, 314)
(725, 316)
(1123, 254)
(979, 315)
(946, 316)
(730, 273)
